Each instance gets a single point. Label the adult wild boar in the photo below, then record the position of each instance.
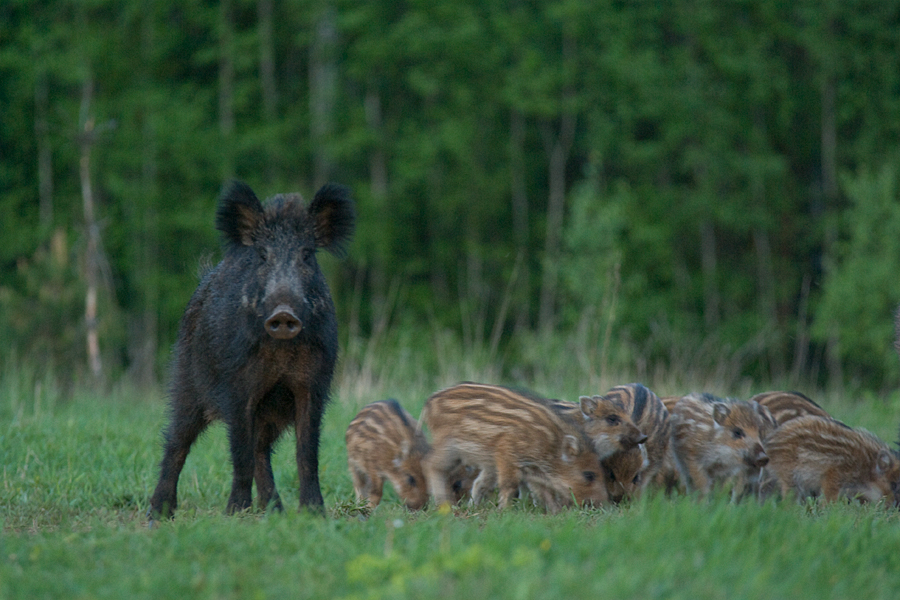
(257, 343)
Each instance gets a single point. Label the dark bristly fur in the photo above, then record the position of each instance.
(385, 442)
(813, 456)
(513, 440)
(258, 342)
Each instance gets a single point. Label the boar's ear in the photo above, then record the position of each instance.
(883, 464)
(405, 448)
(764, 413)
(239, 215)
(333, 218)
(588, 405)
(720, 412)
(571, 448)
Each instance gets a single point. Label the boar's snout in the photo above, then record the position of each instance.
(633, 437)
(758, 457)
(283, 324)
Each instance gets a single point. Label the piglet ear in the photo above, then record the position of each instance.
(764, 413)
(884, 462)
(589, 405)
(333, 218)
(240, 214)
(571, 448)
(720, 412)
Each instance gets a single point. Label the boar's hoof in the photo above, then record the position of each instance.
(283, 324)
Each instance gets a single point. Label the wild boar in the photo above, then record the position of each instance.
(512, 440)
(667, 477)
(258, 342)
(785, 406)
(715, 441)
(625, 473)
(814, 456)
(608, 420)
(385, 442)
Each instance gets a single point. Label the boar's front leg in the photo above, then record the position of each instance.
(265, 480)
(241, 435)
(308, 414)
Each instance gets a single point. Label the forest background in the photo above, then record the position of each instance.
(684, 185)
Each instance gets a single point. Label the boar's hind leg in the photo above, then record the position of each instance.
(361, 483)
(508, 481)
(483, 484)
(186, 423)
(265, 480)
(438, 464)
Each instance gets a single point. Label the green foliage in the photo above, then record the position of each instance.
(702, 163)
(860, 294)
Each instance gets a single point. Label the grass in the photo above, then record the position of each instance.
(77, 474)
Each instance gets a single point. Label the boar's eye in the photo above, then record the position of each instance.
(589, 476)
(613, 420)
(307, 255)
(737, 433)
(411, 480)
(637, 479)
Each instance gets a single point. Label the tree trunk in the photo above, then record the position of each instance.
(267, 75)
(829, 144)
(226, 87)
(830, 197)
(558, 145)
(92, 252)
(44, 150)
(378, 188)
(143, 324)
(378, 171)
(322, 92)
(801, 344)
(519, 189)
(767, 304)
(710, 287)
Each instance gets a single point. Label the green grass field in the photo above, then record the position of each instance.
(77, 474)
